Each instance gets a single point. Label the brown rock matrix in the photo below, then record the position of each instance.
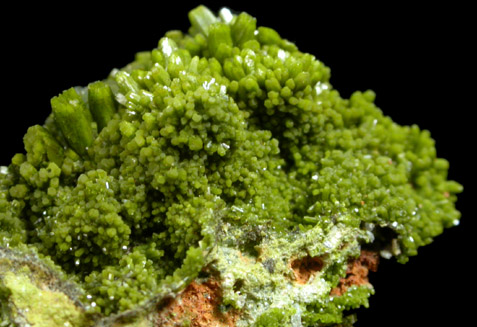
(357, 272)
(306, 267)
(198, 304)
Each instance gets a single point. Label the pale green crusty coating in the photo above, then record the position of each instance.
(43, 308)
(224, 147)
(33, 292)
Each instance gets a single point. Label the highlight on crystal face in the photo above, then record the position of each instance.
(217, 180)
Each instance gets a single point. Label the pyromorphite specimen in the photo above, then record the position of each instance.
(220, 180)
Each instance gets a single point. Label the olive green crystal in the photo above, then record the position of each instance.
(224, 151)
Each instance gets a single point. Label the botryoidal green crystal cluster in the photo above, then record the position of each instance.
(223, 151)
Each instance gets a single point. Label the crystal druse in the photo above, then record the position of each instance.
(219, 180)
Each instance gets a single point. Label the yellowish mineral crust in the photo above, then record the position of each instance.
(217, 180)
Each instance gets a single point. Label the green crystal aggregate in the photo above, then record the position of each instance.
(225, 147)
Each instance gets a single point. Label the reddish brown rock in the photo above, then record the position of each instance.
(306, 267)
(200, 305)
(357, 272)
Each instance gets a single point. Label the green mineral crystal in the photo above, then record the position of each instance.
(218, 179)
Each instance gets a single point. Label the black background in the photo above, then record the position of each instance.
(415, 59)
